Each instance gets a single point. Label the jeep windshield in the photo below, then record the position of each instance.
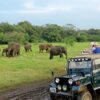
(79, 68)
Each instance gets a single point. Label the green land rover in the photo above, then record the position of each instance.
(81, 81)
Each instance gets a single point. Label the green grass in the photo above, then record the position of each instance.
(33, 66)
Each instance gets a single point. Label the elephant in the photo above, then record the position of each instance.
(27, 47)
(58, 50)
(45, 47)
(5, 50)
(13, 49)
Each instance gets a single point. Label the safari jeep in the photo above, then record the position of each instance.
(82, 79)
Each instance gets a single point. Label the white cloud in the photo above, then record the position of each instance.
(28, 5)
(48, 9)
(30, 8)
(33, 7)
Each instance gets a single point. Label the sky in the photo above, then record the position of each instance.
(81, 13)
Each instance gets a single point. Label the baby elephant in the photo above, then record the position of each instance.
(45, 47)
(5, 50)
(27, 47)
(58, 50)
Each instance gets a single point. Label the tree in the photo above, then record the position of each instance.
(6, 27)
(2, 39)
(27, 27)
(15, 37)
(52, 33)
(69, 30)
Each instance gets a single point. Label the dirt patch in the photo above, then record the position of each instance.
(31, 91)
(23, 90)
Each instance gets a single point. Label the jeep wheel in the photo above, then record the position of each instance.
(85, 96)
(52, 97)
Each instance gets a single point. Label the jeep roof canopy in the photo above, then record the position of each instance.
(92, 56)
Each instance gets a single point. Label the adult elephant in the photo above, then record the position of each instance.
(27, 47)
(58, 50)
(45, 47)
(13, 49)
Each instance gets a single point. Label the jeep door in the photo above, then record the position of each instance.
(96, 73)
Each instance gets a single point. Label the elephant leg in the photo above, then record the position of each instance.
(42, 50)
(9, 53)
(51, 56)
(61, 55)
(6, 54)
(30, 49)
(18, 53)
(26, 50)
(13, 53)
(46, 50)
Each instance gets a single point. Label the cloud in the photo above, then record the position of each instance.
(54, 6)
(81, 12)
(45, 10)
(28, 5)
(31, 8)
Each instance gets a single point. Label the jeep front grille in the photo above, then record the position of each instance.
(63, 85)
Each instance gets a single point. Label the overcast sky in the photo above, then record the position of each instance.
(81, 13)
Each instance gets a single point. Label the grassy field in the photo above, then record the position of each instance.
(33, 66)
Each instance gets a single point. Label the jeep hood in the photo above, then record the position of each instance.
(75, 78)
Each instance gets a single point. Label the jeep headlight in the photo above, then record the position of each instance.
(57, 80)
(70, 81)
(59, 87)
(64, 88)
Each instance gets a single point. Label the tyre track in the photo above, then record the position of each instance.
(37, 93)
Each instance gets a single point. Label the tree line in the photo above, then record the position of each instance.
(25, 31)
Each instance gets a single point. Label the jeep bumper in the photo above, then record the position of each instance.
(64, 94)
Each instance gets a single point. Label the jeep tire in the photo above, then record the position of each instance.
(85, 96)
(52, 97)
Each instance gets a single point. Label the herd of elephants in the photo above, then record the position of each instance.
(13, 49)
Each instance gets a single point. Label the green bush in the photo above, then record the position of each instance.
(69, 41)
